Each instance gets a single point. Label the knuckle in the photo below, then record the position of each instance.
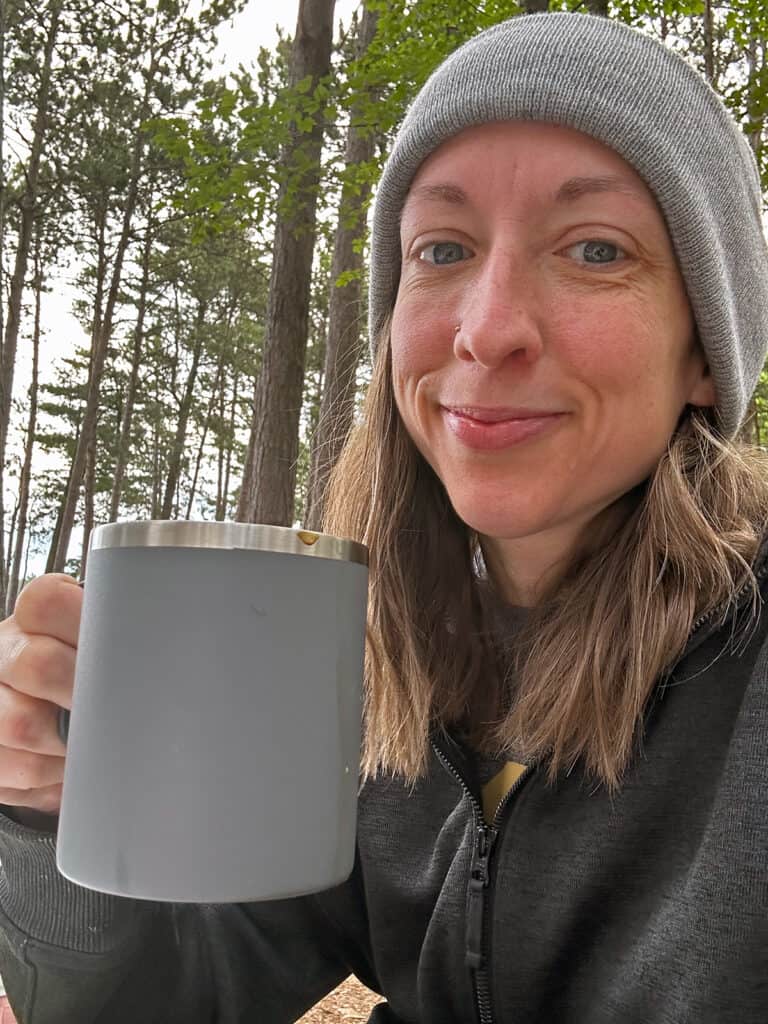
(47, 800)
(12, 643)
(51, 799)
(41, 660)
(22, 729)
(40, 603)
(29, 771)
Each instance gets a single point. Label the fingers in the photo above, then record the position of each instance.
(22, 772)
(29, 724)
(37, 672)
(47, 799)
(31, 753)
(38, 666)
(51, 605)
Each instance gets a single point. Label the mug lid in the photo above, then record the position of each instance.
(245, 536)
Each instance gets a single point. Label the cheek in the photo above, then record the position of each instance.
(623, 351)
(405, 353)
(603, 348)
(420, 341)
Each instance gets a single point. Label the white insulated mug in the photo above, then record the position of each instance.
(214, 741)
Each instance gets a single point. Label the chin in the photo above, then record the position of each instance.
(505, 524)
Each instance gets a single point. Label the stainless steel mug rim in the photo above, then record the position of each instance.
(226, 535)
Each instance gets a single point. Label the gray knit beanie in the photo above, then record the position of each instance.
(636, 96)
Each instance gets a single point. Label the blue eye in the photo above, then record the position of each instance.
(441, 253)
(596, 251)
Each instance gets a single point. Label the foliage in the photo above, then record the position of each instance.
(133, 80)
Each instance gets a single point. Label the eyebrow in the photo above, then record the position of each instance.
(452, 194)
(569, 191)
(575, 188)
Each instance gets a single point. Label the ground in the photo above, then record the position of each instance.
(350, 1003)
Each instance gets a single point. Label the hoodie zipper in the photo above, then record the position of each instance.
(477, 936)
(480, 892)
(699, 624)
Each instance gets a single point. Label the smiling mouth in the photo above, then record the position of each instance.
(493, 429)
(498, 414)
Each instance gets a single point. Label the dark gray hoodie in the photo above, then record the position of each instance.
(571, 907)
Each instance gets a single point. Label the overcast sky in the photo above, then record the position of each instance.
(239, 41)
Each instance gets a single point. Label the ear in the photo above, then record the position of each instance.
(702, 392)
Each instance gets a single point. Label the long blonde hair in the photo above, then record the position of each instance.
(584, 665)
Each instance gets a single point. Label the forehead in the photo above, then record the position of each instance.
(527, 155)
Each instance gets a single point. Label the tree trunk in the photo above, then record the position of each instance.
(26, 557)
(217, 387)
(180, 437)
(3, 29)
(101, 342)
(755, 62)
(26, 469)
(124, 437)
(28, 209)
(57, 527)
(709, 43)
(225, 452)
(88, 497)
(344, 342)
(156, 469)
(220, 499)
(267, 493)
(535, 6)
(96, 328)
(11, 536)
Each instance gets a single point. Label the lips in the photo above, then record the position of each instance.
(486, 428)
(496, 414)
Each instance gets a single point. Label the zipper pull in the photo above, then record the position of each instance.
(478, 882)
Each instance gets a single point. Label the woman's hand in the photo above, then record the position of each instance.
(38, 644)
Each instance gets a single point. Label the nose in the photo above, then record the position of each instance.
(500, 317)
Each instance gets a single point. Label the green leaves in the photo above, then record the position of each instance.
(220, 157)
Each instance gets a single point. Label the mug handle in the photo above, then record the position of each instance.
(63, 716)
(63, 724)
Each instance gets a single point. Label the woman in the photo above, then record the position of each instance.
(564, 815)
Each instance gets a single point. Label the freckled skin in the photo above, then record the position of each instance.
(543, 325)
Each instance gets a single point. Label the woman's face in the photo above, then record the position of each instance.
(542, 342)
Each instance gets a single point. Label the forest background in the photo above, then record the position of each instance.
(211, 231)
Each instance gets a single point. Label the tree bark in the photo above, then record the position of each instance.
(12, 536)
(3, 29)
(217, 385)
(220, 500)
(267, 493)
(709, 43)
(156, 469)
(225, 451)
(180, 437)
(755, 61)
(344, 342)
(124, 438)
(88, 500)
(28, 211)
(26, 468)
